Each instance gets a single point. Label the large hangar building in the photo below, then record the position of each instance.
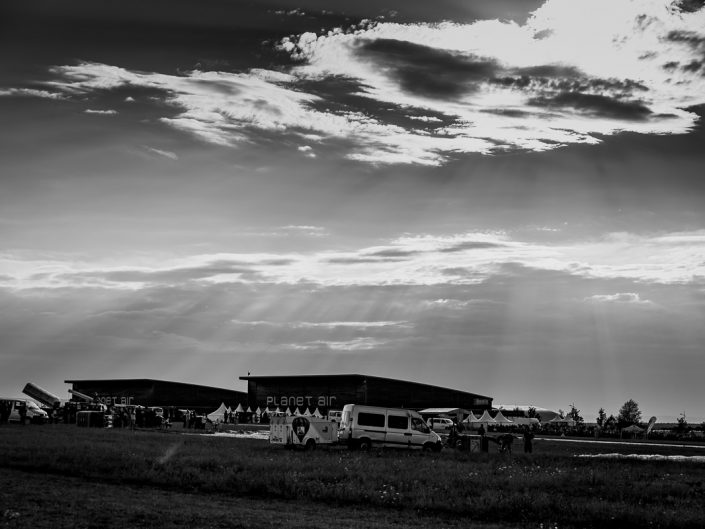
(149, 392)
(332, 392)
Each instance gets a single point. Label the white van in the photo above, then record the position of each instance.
(34, 413)
(366, 426)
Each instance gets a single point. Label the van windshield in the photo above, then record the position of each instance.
(345, 419)
(419, 425)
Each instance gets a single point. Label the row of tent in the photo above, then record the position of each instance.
(219, 414)
(500, 419)
(485, 418)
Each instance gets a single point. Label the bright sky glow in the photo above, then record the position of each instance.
(500, 197)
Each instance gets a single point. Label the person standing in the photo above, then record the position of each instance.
(528, 441)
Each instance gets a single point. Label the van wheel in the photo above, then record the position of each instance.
(428, 447)
(365, 445)
(310, 445)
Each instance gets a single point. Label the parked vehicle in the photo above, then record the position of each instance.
(301, 431)
(335, 415)
(33, 413)
(440, 425)
(366, 426)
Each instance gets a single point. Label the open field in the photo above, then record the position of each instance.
(63, 476)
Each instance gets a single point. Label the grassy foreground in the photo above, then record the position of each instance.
(63, 476)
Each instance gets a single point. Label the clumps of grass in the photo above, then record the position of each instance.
(550, 489)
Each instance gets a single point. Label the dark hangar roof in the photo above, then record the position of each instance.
(358, 378)
(148, 381)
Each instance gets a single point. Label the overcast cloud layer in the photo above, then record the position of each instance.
(422, 93)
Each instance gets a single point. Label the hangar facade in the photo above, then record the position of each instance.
(149, 392)
(332, 392)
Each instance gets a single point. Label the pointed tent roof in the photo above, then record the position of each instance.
(307, 413)
(239, 408)
(501, 419)
(219, 414)
(249, 410)
(486, 418)
(228, 409)
(633, 429)
(471, 419)
(276, 410)
(288, 412)
(317, 413)
(558, 420)
(258, 411)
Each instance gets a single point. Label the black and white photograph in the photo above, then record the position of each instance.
(371, 264)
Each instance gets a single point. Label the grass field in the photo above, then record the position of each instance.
(62, 476)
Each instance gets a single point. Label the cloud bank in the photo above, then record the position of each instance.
(424, 93)
(414, 260)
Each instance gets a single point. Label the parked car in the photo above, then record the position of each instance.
(440, 424)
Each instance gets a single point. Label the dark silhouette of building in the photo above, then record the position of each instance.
(332, 392)
(149, 392)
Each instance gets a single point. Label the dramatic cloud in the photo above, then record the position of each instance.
(422, 93)
(463, 259)
(101, 112)
(29, 92)
(165, 154)
(623, 297)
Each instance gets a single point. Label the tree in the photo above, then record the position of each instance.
(532, 412)
(601, 417)
(682, 424)
(574, 414)
(629, 414)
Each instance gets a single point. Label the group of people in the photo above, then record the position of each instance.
(504, 441)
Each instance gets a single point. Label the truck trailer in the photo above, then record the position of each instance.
(301, 431)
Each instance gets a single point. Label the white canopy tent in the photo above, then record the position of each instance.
(219, 414)
(471, 419)
(501, 419)
(558, 421)
(486, 418)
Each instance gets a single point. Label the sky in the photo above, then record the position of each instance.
(498, 196)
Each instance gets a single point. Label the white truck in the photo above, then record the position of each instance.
(362, 427)
(302, 431)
